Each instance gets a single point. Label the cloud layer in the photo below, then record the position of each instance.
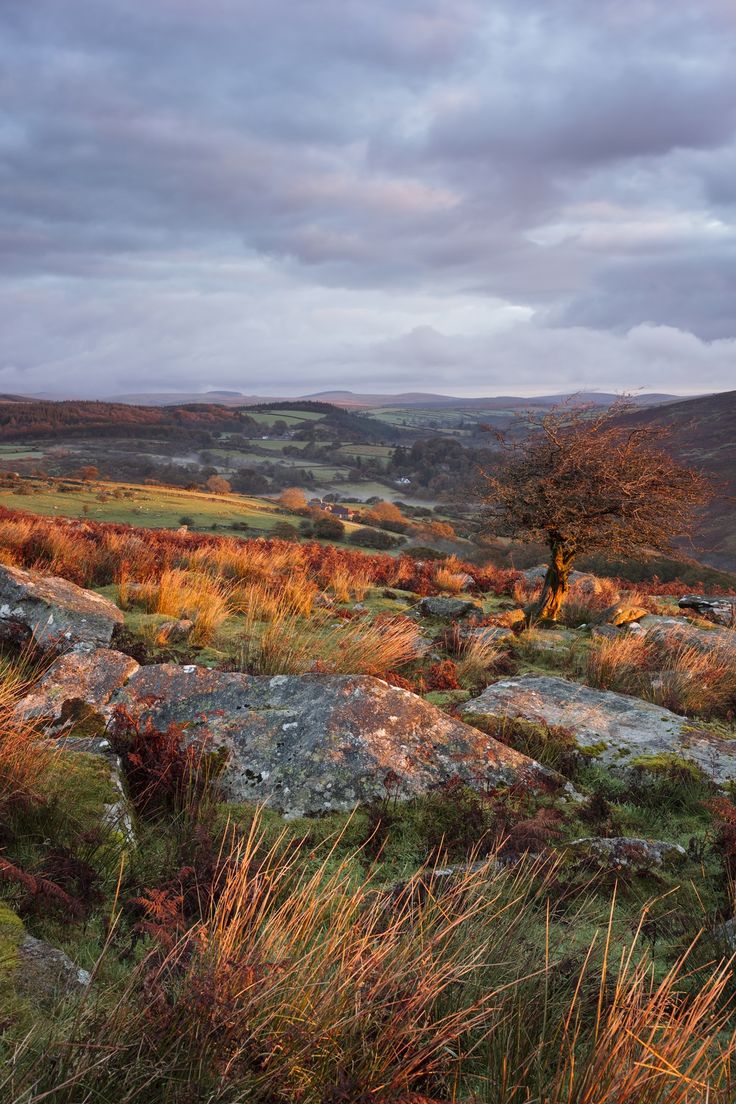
(434, 194)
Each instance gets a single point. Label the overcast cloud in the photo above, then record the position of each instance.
(465, 196)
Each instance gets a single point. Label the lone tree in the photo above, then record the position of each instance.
(585, 481)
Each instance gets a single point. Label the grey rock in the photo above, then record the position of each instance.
(466, 581)
(53, 612)
(725, 934)
(448, 609)
(77, 679)
(614, 727)
(627, 851)
(45, 973)
(720, 609)
(311, 743)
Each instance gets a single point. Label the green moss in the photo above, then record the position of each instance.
(551, 745)
(666, 762)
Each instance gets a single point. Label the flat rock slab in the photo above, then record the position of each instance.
(53, 612)
(312, 743)
(77, 678)
(615, 727)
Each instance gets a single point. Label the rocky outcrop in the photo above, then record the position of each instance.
(53, 612)
(310, 743)
(448, 609)
(626, 852)
(615, 728)
(76, 682)
(721, 609)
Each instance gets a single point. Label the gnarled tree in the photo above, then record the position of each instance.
(582, 481)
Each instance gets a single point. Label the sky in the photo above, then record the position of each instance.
(286, 196)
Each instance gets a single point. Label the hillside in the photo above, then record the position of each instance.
(286, 822)
(704, 436)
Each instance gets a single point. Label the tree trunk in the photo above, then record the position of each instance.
(556, 582)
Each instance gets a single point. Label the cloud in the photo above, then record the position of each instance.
(206, 192)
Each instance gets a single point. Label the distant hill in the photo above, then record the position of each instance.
(404, 398)
(704, 436)
(21, 420)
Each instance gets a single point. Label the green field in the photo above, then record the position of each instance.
(150, 507)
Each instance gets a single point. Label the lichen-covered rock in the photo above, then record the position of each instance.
(77, 679)
(45, 973)
(448, 609)
(311, 743)
(626, 852)
(615, 728)
(720, 609)
(53, 612)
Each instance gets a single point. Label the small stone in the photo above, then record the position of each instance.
(448, 609)
(175, 632)
(45, 973)
(630, 852)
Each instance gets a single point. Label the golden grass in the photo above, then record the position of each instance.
(179, 593)
(288, 644)
(24, 757)
(678, 676)
(476, 658)
(300, 979)
(347, 585)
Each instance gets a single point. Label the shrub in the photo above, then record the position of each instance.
(218, 485)
(284, 530)
(372, 538)
(328, 528)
